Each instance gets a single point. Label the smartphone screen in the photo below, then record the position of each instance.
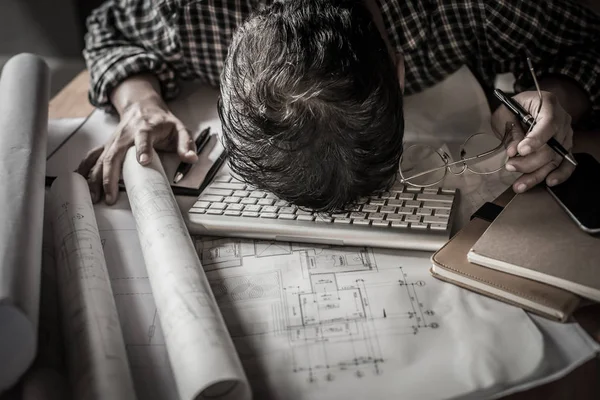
(580, 194)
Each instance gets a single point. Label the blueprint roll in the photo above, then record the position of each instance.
(24, 92)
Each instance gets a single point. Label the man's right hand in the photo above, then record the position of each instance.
(146, 124)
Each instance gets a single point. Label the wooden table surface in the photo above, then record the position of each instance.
(582, 383)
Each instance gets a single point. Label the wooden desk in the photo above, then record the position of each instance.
(583, 383)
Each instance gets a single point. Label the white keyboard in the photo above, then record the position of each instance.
(404, 218)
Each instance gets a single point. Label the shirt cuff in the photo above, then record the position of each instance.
(115, 67)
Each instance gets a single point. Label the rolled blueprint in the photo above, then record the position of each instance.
(24, 92)
(203, 359)
(96, 356)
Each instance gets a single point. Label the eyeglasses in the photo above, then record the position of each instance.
(482, 154)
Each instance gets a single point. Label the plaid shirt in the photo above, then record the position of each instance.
(182, 40)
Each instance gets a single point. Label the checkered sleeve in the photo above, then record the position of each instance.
(116, 47)
(560, 37)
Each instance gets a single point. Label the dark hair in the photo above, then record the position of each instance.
(310, 104)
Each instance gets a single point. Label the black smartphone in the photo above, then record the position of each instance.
(579, 195)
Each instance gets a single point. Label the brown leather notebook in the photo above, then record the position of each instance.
(450, 264)
(534, 238)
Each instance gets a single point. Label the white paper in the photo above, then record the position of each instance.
(201, 353)
(320, 322)
(96, 356)
(24, 91)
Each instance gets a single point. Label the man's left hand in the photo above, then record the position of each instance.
(530, 154)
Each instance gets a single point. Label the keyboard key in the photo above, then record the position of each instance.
(268, 215)
(388, 209)
(412, 189)
(266, 202)
(435, 220)
(374, 216)
(241, 193)
(271, 196)
(395, 202)
(448, 191)
(248, 200)
(281, 203)
(231, 199)
(377, 202)
(232, 213)
(411, 203)
(395, 217)
(388, 195)
(438, 227)
(270, 209)
(406, 210)
(320, 218)
(230, 185)
(249, 214)
(342, 220)
(406, 196)
(198, 210)
(218, 192)
(305, 217)
(398, 187)
(437, 205)
(201, 204)
(235, 207)
(214, 211)
(358, 215)
(340, 215)
(442, 212)
(446, 198)
(210, 198)
(380, 223)
(412, 218)
(418, 225)
(369, 208)
(218, 206)
(304, 212)
(424, 211)
(361, 221)
(430, 190)
(287, 216)
(398, 224)
(252, 208)
(222, 178)
(287, 210)
(258, 195)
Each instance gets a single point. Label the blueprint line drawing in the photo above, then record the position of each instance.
(271, 248)
(318, 304)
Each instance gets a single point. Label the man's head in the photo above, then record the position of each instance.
(310, 103)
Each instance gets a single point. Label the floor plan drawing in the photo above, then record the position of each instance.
(271, 248)
(219, 253)
(325, 308)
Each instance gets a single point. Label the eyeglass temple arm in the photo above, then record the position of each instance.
(461, 161)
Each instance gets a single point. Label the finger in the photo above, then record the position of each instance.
(527, 181)
(516, 132)
(532, 162)
(560, 174)
(95, 180)
(88, 162)
(548, 122)
(143, 147)
(111, 165)
(185, 144)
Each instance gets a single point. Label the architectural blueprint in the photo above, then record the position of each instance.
(319, 321)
